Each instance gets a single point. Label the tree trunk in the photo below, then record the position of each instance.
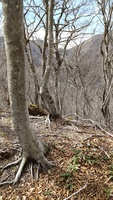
(14, 43)
(106, 8)
(44, 92)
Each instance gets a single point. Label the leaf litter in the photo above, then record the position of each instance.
(83, 157)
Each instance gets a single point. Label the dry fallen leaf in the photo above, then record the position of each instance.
(66, 143)
(24, 197)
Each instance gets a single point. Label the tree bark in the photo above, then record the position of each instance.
(106, 9)
(44, 92)
(14, 44)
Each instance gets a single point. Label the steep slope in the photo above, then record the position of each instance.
(86, 61)
(80, 81)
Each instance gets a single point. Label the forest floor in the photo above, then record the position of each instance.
(83, 154)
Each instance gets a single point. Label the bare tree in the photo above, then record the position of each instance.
(4, 97)
(106, 11)
(31, 26)
(46, 70)
(69, 20)
(13, 34)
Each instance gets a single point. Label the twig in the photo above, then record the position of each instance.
(104, 130)
(76, 192)
(46, 135)
(104, 152)
(76, 128)
(37, 117)
(93, 136)
(14, 149)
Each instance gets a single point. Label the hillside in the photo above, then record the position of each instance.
(80, 79)
(83, 155)
(85, 71)
(81, 148)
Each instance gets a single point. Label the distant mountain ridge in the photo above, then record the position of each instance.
(84, 88)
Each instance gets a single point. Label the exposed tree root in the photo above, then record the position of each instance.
(6, 182)
(46, 164)
(43, 162)
(39, 158)
(19, 172)
(31, 170)
(37, 173)
(11, 164)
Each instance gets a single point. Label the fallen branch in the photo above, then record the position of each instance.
(93, 123)
(76, 192)
(104, 131)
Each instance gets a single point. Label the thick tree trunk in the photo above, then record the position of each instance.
(108, 74)
(106, 9)
(14, 43)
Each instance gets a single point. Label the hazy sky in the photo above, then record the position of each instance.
(95, 23)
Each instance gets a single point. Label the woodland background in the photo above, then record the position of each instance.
(77, 79)
(79, 85)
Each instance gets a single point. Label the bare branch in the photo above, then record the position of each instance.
(78, 191)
